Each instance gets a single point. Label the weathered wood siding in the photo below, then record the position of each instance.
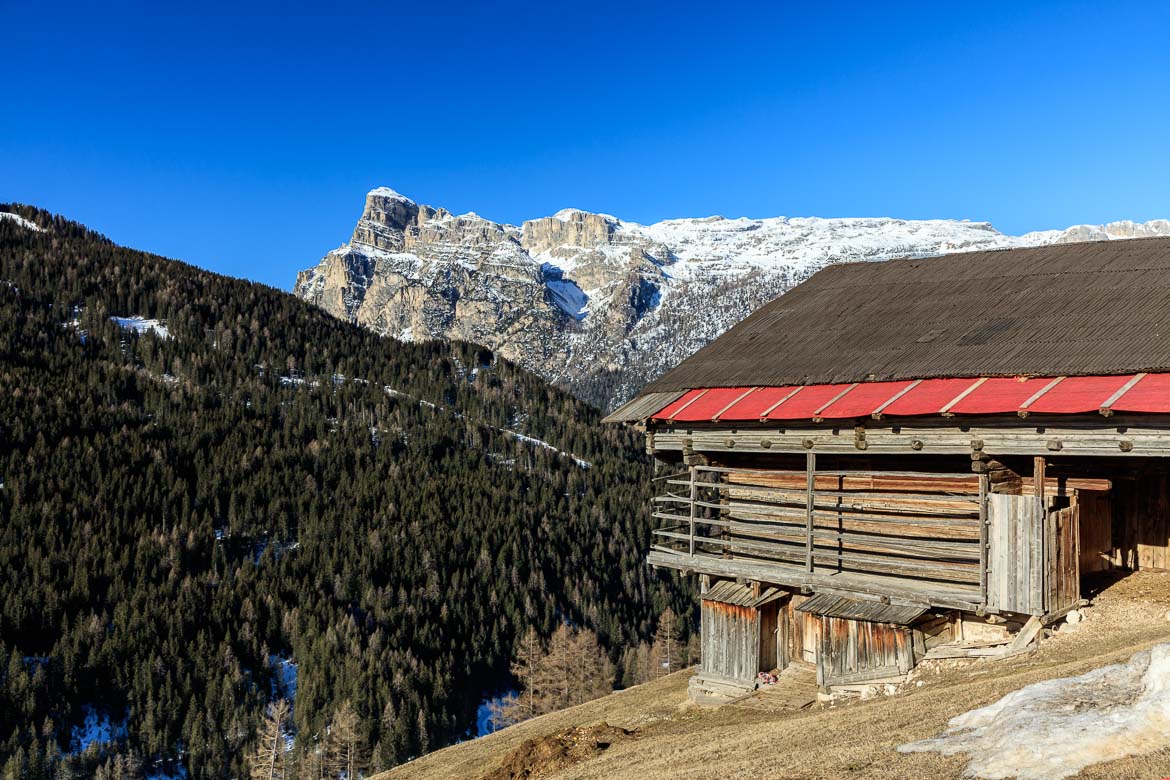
(1096, 530)
(1142, 521)
(731, 640)
(854, 651)
(1063, 559)
(1015, 577)
(916, 527)
(804, 636)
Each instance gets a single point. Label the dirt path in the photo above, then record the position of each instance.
(857, 740)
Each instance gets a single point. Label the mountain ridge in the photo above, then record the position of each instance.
(600, 305)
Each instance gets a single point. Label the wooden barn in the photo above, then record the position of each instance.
(916, 458)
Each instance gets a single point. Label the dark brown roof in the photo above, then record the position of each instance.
(1060, 310)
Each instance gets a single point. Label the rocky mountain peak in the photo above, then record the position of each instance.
(601, 305)
(568, 228)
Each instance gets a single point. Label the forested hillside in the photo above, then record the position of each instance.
(192, 508)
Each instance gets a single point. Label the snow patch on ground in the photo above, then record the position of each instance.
(142, 325)
(484, 722)
(284, 683)
(541, 443)
(97, 728)
(1053, 729)
(161, 772)
(21, 221)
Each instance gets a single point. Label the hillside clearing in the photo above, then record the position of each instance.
(677, 739)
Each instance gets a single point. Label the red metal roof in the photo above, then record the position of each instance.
(1148, 393)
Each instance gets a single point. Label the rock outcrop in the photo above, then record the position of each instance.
(599, 305)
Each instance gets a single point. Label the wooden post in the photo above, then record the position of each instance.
(1038, 477)
(694, 497)
(1042, 558)
(811, 467)
(983, 538)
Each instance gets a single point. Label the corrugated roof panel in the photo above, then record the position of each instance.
(805, 404)
(996, 395)
(686, 398)
(862, 400)
(1150, 394)
(1078, 394)
(829, 605)
(999, 396)
(754, 405)
(711, 403)
(929, 397)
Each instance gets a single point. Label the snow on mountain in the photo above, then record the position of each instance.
(19, 220)
(142, 325)
(600, 305)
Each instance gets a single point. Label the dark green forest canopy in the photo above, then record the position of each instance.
(270, 481)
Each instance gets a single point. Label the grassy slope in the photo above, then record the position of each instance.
(679, 740)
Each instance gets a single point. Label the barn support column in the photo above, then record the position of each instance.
(811, 468)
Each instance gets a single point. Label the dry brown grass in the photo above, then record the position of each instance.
(678, 740)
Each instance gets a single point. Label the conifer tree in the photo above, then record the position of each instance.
(667, 653)
(268, 761)
(346, 749)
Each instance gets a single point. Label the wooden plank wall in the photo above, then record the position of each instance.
(805, 634)
(1142, 521)
(1015, 578)
(731, 640)
(916, 527)
(1096, 530)
(854, 651)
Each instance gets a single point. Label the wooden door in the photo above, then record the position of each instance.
(1095, 530)
(1015, 556)
(773, 637)
(804, 637)
(1063, 554)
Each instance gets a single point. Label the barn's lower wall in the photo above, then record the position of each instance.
(740, 642)
(1141, 528)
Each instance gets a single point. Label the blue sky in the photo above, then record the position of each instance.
(242, 137)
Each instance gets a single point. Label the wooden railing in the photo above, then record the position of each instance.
(910, 525)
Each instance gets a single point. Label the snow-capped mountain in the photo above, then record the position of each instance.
(600, 305)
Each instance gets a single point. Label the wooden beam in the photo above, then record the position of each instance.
(817, 414)
(694, 495)
(949, 596)
(764, 414)
(877, 413)
(984, 488)
(1023, 410)
(1145, 435)
(1039, 478)
(688, 403)
(810, 502)
(1107, 407)
(749, 391)
(946, 410)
